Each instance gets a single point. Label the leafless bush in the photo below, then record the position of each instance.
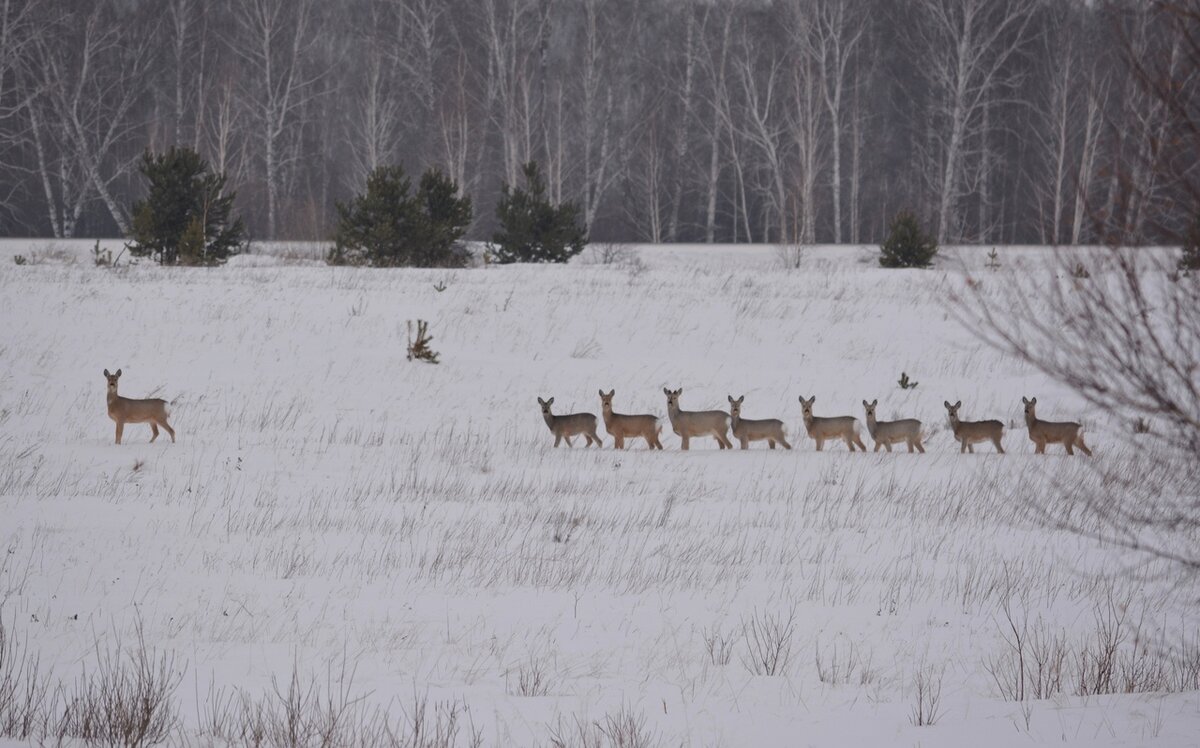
(768, 638)
(719, 646)
(23, 688)
(587, 348)
(532, 678)
(927, 687)
(1032, 662)
(127, 700)
(836, 666)
(607, 253)
(790, 256)
(307, 713)
(621, 730)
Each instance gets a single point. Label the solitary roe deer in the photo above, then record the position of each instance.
(746, 430)
(125, 410)
(690, 423)
(968, 433)
(887, 433)
(564, 427)
(1066, 433)
(840, 427)
(620, 426)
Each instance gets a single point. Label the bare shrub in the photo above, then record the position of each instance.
(719, 646)
(621, 730)
(23, 688)
(768, 638)
(309, 713)
(836, 665)
(607, 253)
(127, 700)
(927, 692)
(790, 256)
(532, 678)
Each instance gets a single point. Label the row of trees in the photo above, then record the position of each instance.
(187, 218)
(697, 120)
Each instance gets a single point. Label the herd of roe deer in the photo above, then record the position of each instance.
(689, 424)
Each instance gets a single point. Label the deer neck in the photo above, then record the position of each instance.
(112, 397)
(1031, 419)
(607, 411)
(872, 423)
(549, 418)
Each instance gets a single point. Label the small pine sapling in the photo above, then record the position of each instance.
(418, 347)
(905, 383)
(993, 260)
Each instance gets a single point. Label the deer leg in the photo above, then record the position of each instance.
(820, 443)
(999, 448)
(970, 447)
(785, 444)
(849, 444)
(920, 447)
(910, 446)
(1082, 447)
(771, 442)
(745, 442)
(861, 446)
(120, 430)
(153, 431)
(170, 430)
(558, 440)
(962, 446)
(685, 441)
(599, 443)
(1040, 449)
(1070, 447)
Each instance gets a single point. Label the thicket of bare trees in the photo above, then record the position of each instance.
(697, 120)
(1121, 326)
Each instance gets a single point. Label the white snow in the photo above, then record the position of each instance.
(329, 501)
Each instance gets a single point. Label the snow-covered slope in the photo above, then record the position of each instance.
(329, 503)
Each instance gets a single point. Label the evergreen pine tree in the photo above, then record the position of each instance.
(388, 226)
(185, 218)
(906, 245)
(533, 230)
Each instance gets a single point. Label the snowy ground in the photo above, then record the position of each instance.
(330, 504)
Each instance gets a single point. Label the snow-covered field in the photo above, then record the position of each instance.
(331, 509)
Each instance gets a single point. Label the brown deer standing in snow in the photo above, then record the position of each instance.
(838, 427)
(620, 426)
(125, 410)
(564, 427)
(969, 433)
(692, 423)
(887, 433)
(1041, 433)
(746, 430)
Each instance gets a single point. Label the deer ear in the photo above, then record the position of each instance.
(1033, 401)
(541, 401)
(865, 404)
(601, 393)
(958, 404)
(106, 373)
(666, 392)
(729, 398)
(947, 404)
(741, 399)
(550, 401)
(118, 372)
(874, 402)
(1024, 399)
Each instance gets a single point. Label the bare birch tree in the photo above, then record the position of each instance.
(966, 47)
(276, 41)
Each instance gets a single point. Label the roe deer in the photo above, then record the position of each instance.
(840, 427)
(125, 410)
(887, 433)
(746, 430)
(689, 423)
(969, 433)
(564, 427)
(619, 426)
(1041, 433)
